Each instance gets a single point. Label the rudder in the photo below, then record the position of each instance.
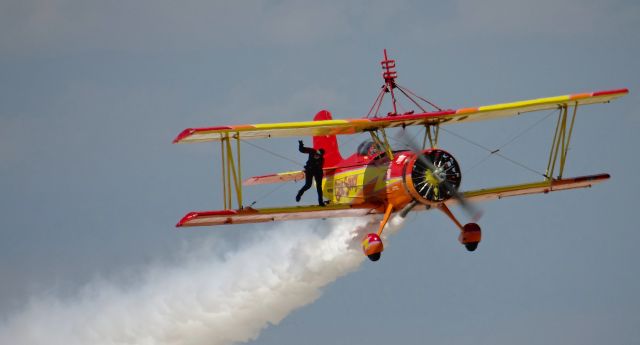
(329, 143)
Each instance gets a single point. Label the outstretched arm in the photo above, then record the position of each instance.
(303, 149)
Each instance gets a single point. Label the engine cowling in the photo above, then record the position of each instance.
(426, 184)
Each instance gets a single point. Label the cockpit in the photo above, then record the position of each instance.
(368, 148)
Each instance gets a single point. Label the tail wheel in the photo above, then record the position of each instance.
(428, 183)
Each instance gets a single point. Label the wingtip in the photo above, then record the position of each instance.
(185, 133)
(611, 92)
(186, 219)
(603, 176)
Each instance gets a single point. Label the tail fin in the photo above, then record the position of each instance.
(327, 142)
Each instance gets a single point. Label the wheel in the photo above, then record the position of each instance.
(470, 236)
(471, 246)
(374, 257)
(372, 246)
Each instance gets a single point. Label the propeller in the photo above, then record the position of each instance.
(405, 211)
(473, 212)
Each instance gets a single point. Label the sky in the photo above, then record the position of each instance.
(92, 93)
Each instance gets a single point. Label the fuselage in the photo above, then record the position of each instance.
(362, 179)
(375, 179)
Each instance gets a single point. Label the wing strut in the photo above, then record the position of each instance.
(431, 132)
(231, 168)
(382, 144)
(561, 140)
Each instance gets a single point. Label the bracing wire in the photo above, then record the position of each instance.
(402, 88)
(492, 152)
(276, 155)
(273, 153)
(526, 130)
(508, 142)
(263, 196)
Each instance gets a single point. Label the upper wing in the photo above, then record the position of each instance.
(351, 126)
(251, 215)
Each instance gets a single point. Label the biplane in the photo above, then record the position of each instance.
(380, 180)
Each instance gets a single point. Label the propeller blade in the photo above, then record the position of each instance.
(405, 211)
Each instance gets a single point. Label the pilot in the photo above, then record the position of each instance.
(312, 170)
(368, 148)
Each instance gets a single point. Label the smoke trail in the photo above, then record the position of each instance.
(394, 225)
(202, 299)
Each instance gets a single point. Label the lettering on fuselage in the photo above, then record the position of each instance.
(346, 187)
(358, 185)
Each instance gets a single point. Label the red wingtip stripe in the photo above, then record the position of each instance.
(191, 215)
(593, 178)
(610, 92)
(186, 218)
(190, 131)
(187, 132)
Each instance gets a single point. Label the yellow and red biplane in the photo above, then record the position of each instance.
(378, 180)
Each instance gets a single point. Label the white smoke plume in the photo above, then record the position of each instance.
(393, 225)
(205, 298)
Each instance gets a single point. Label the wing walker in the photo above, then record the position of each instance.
(381, 180)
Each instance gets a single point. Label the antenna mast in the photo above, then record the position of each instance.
(389, 74)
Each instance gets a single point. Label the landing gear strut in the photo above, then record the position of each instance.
(470, 233)
(372, 244)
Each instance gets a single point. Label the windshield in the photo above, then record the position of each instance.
(367, 148)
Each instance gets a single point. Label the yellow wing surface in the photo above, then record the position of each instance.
(351, 126)
(251, 215)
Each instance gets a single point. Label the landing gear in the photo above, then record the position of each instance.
(471, 246)
(470, 236)
(372, 246)
(374, 257)
(470, 233)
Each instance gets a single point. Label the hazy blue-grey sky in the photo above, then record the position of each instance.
(93, 92)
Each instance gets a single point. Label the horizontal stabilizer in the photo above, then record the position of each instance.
(274, 178)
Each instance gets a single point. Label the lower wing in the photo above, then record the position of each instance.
(534, 188)
(251, 215)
